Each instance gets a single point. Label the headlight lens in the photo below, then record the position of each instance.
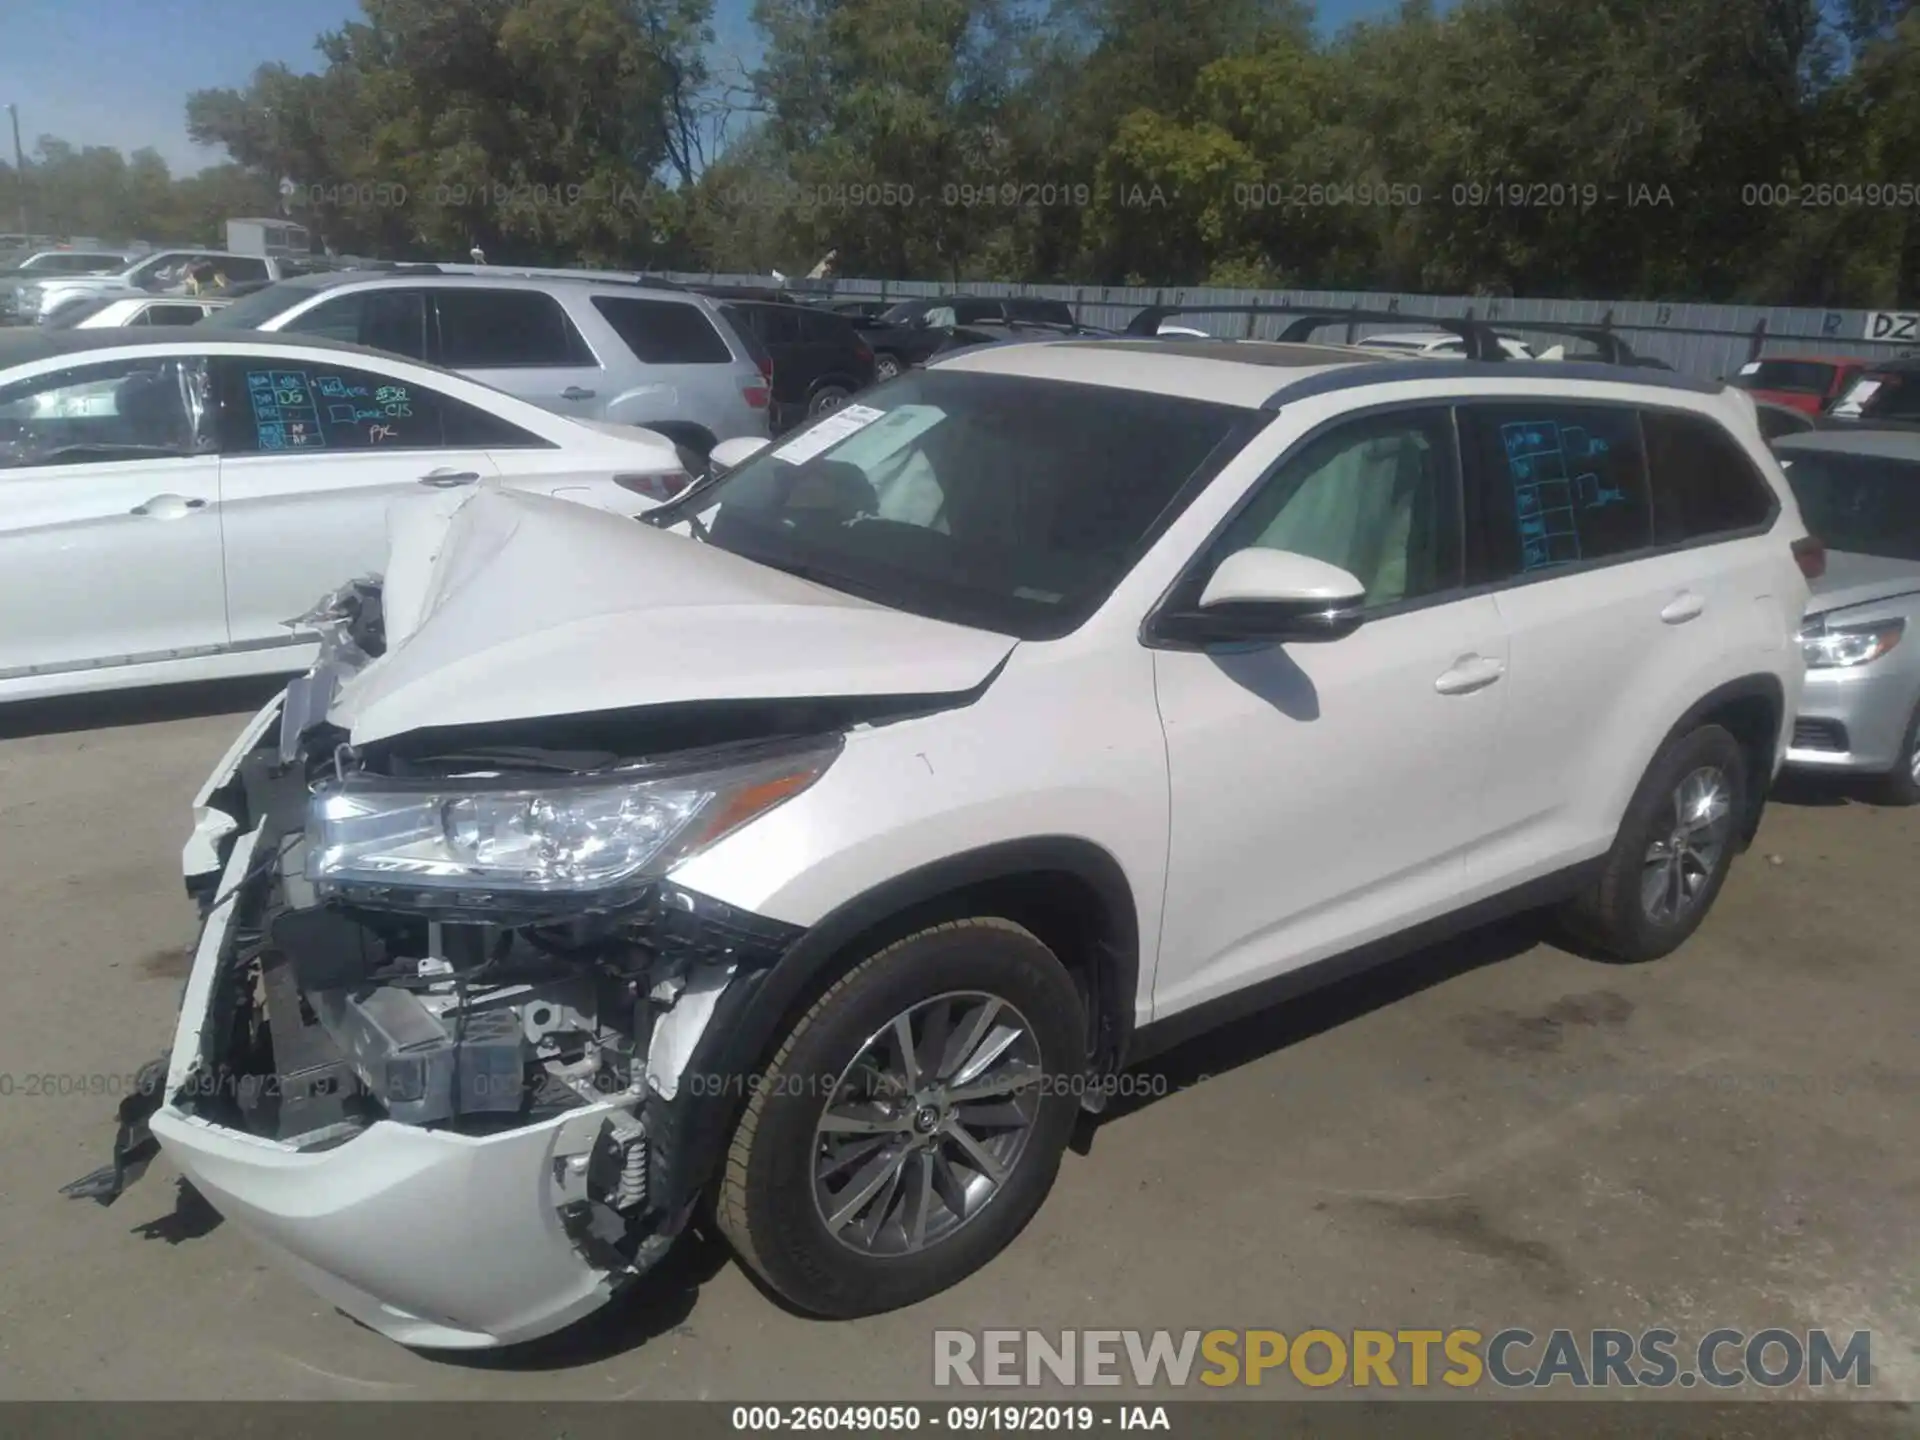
(1849, 645)
(581, 835)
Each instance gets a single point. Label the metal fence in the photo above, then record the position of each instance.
(1708, 341)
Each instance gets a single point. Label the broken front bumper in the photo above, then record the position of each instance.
(435, 1239)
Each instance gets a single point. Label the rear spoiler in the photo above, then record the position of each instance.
(1481, 337)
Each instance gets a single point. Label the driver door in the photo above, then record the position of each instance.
(109, 518)
(1324, 794)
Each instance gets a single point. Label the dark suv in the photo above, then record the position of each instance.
(913, 331)
(819, 358)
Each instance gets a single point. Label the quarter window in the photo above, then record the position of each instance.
(1558, 484)
(1703, 483)
(1378, 497)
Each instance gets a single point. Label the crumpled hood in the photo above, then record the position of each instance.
(516, 605)
(1853, 579)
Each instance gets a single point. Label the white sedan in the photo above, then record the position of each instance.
(170, 498)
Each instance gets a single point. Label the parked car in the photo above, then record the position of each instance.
(1436, 344)
(819, 846)
(913, 331)
(110, 312)
(1859, 492)
(161, 272)
(820, 360)
(1884, 394)
(32, 266)
(169, 496)
(1809, 383)
(629, 352)
(860, 309)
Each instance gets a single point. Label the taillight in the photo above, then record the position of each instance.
(663, 485)
(1811, 556)
(861, 348)
(758, 395)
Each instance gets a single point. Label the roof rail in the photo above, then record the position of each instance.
(1482, 337)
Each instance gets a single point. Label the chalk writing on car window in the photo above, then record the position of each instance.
(1555, 470)
(295, 411)
(284, 417)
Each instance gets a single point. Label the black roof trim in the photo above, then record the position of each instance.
(1347, 377)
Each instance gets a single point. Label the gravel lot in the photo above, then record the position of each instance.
(1492, 1133)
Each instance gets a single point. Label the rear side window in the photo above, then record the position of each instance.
(1557, 484)
(663, 332)
(506, 329)
(1050, 312)
(171, 315)
(776, 324)
(1703, 483)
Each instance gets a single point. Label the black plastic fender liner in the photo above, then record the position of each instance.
(690, 1133)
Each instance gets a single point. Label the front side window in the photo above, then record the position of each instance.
(1703, 483)
(1377, 496)
(506, 329)
(394, 320)
(118, 410)
(1012, 505)
(1558, 484)
(1861, 504)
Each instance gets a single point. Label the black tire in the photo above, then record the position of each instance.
(1612, 917)
(766, 1204)
(827, 398)
(1901, 785)
(886, 366)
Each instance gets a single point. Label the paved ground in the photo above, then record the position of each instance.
(1493, 1133)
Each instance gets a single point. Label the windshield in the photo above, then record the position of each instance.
(250, 312)
(904, 313)
(1010, 504)
(1798, 377)
(1864, 504)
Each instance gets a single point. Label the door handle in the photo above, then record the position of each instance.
(447, 479)
(1682, 608)
(1469, 673)
(167, 507)
(574, 392)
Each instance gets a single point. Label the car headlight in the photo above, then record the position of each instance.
(500, 840)
(1848, 645)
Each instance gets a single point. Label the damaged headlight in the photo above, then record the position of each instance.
(520, 837)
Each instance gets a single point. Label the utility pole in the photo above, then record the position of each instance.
(19, 167)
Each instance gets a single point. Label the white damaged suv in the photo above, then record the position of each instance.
(807, 854)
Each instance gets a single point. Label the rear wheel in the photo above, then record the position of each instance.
(826, 398)
(1901, 785)
(1672, 852)
(886, 366)
(906, 1131)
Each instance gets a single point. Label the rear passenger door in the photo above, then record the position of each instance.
(1622, 602)
(523, 342)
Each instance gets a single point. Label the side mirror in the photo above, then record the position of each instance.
(1272, 595)
(732, 454)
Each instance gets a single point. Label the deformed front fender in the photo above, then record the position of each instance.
(744, 1024)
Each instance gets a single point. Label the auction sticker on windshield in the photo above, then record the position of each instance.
(827, 433)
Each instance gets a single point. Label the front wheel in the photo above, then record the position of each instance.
(911, 1123)
(1901, 785)
(1672, 851)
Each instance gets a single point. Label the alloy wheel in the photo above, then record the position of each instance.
(1681, 863)
(927, 1124)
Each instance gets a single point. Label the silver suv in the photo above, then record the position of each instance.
(617, 350)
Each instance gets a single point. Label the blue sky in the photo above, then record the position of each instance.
(117, 72)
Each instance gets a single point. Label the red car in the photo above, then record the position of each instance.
(1801, 382)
